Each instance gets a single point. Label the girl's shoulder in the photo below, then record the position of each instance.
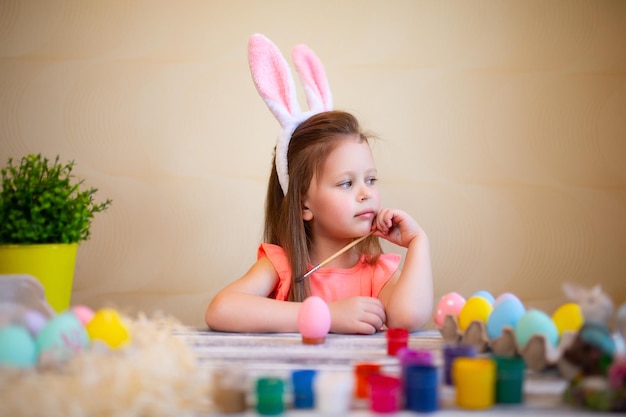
(278, 258)
(272, 252)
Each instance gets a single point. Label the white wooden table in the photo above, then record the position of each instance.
(277, 355)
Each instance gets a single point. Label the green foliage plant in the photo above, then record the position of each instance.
(42, 202)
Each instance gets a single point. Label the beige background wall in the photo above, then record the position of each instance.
(503, 126)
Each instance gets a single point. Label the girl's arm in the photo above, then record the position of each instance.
(244, 306)
(408, 296)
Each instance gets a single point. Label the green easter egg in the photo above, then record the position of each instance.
(535, 322)
(62, 337)
(17, 347)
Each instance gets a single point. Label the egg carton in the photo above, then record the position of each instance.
(538, 353)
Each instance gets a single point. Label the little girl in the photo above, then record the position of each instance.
(322, 195)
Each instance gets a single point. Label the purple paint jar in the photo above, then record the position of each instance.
(450, 353)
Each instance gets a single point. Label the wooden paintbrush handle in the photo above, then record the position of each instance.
(336, 254)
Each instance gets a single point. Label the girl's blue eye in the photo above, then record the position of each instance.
(372, 180)
(346, 184)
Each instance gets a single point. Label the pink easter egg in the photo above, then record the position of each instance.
(314, 320)
(450, 304)
(83, 313)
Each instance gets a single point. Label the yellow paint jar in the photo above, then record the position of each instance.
(475, 382)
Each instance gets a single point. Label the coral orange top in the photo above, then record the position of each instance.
(332, 284)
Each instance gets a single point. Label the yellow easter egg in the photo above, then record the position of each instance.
(568, 317)
(475, 309)
(107, 326)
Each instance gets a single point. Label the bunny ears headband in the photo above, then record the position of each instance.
(274, 82)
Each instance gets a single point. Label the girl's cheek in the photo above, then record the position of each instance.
(377, 200)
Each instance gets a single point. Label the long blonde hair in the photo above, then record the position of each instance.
(310, 145)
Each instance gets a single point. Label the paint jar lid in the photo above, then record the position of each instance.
(510, 379)
(302, 381)
(416, 357)
(476, 370)
(333, 393)
(421, 376)
(461, 349)
(397, 339)
(421, 388)
(385, 393)
(230, 388)
(397, 333)
(269, 392)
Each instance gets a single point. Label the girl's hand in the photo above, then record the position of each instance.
(362, 315)
(396, 226)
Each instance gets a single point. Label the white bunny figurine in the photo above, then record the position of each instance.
(593, 343)
(594, 304)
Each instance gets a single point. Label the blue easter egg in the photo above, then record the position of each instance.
(17, 347)
(535, 322)
(62, 337)
(485, 294)
(506, 313)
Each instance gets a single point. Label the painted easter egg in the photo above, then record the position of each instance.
(83, 313)
(17, 347)
(505, 296)
(475, 309)
(535, 322)
(568, 317)
(485, 294)
(62, 337)
(107, 326)
(314, 320)
(506, 312)
(34, 321)
(450, 304)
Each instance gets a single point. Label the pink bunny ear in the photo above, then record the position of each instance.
(313, 77)
(274, 82)
(272, 78)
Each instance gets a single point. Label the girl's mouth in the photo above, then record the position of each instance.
(365, 214)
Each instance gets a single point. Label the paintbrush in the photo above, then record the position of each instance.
(334, 255)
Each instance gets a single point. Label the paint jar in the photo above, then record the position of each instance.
(421, 388)
(333, 393)
(450, 353)
(302, 382)
(229, 394)
(270, 396)
(475, 382)
(416, 356)
(510, 379)
(361, 372)
(397, 338)
(384, 393)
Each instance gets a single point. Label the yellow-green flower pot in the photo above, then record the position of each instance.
(52, 264)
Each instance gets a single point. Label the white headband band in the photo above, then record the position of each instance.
(274, 82)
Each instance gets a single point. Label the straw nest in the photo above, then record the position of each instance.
(156, 375)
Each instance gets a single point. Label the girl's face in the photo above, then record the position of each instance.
(343, 199)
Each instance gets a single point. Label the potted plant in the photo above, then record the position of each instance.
(45, 212)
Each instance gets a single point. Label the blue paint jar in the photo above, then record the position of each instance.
(303, 394)
(421, 388)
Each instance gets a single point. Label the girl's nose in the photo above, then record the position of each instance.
(364, 193)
